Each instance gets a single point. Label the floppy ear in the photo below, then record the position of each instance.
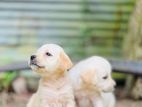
(88, 77)
(65, 61)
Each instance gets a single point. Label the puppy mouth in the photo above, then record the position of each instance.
(35, 64)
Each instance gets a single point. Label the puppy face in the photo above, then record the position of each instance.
(104, 80)
(49, 59)
(98, 74)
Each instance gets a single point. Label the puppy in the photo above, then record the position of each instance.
(51, 63)
(92, 82)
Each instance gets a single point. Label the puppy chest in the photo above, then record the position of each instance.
(55, 96)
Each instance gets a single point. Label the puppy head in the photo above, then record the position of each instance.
(104, 80)
(98, 73)
(49, 59)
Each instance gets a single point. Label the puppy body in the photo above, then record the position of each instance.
(55, 89)
(53, 94)
(92, 82)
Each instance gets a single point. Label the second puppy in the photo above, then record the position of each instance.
(51, 63)
(92, 82)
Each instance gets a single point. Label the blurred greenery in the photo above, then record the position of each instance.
(6, 79)
(119, 76)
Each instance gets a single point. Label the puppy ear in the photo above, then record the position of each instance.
(88, 77)
(66, 63)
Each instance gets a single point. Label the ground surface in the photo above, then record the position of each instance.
(13, 100)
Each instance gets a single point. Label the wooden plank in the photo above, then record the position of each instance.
(100, 38)
(13, 15)
(43, 39)
(50, 4)
(38, 24)
(107, 49)
(92, 10)
(71, 1)
(15, 6)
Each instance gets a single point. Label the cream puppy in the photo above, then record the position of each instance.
(92, 82)
(51, 63)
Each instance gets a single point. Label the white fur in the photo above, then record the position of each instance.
(49, 63)
(54, 89)
(100, 94)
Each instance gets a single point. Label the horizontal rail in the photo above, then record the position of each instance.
(126, 66)
(23, 65)
(123, 66)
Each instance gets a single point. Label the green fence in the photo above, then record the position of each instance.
(82, 27)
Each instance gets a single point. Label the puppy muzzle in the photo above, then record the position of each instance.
(33, 62)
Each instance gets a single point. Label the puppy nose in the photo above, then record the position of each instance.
(33, 57)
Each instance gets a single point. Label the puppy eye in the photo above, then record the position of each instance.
(105, 77)
(48, 54)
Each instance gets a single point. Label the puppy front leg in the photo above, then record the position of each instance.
(112, 103)
(45, 103)
(71, 104)
(97, 102)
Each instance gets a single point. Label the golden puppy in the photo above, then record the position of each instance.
(55, 90)
(92, 82)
